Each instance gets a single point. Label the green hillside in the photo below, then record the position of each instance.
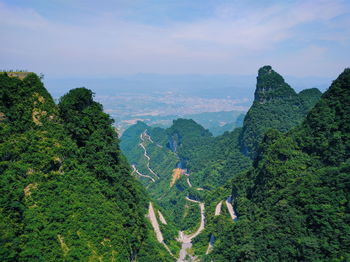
(276, 105)
(212, 161)
(294, 204)
(66, 193)
(187, 161)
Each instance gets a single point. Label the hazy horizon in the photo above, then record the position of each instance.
(110, 38)
(175, 57)
(241, 85)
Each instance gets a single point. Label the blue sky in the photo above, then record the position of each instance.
(108, 38)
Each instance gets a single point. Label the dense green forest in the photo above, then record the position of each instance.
(210, 163)
(276, 189)
(210, 160)
(276, 105)
(188, 145)
(294, 204)
(66, 193)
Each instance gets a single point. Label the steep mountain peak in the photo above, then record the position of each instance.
(276, 106)
(301, 182)
(271, 85)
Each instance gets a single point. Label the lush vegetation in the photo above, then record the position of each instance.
(66, 193)
(211, 162)
(277, 106)
(218, 161)
(294, 204)
(185, 135)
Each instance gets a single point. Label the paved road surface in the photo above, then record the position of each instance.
(230, 208)
(137, 172)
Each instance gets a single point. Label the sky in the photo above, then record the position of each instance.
(107, 38)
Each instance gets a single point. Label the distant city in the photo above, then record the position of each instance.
(159, 99)
(161, 109)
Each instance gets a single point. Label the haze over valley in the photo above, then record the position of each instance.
(159, 99)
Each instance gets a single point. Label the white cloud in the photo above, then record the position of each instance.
(232, 41)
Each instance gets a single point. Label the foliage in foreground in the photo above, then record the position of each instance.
(294, 204)
(66, 193)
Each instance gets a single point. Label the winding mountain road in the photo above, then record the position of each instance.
(186, 240)
(232, 213)
(218, 209)
(147, 136)
(145, 151)
(202, 224)
(161, 218)
(137, 172)
(211, 244)
(188, 182)
(230, 208)
(154, 222)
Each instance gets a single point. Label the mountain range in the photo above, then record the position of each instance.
(273, 188)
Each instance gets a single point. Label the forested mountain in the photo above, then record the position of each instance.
(211, 161)
(185, 135)
(216, 122)
(186, 162)
(276, 189)
(276, 105)
(66, 193)
(294, 205)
